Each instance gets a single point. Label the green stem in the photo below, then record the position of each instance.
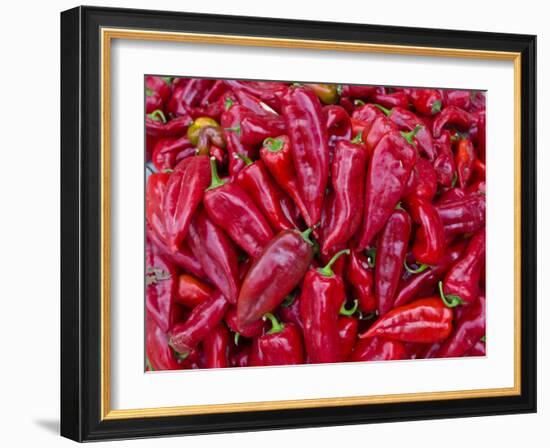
(450, 300)
(235, 129)
(371, 257)
(167, 79)
(327, 270)
(359, 103)
(483, 339)
(358, 138)
(148, 364)
(273, 144)
(276, 326)
(410, 135)
(436, 106)
(149, 92)
(228, 103)
(289, 300)
(399, 206)
(421, 268)
(306, 236)
(383, 109)
(346, 312)
(236, 338)
(244, 158)
(216, 181)
(157, 115)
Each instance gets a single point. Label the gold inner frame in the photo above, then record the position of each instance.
(107, 35)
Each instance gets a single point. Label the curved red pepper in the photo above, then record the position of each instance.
(216, 255)
(378, 349)
(395, 99)
(168, 152)
(184, 193)
(157, 127)
(388, 172)
(248, 331)
(254, 129)
(478, 349)
(191, 291)
(309, 147)
(338, 124)
(348, 171)
(465, 158)
(462, 280)
(380, 127)
(464, 215)
(159, 85)
(360, 276)
(444, 164)
(347, 330)
(358, 92)
(281, 345)
(230, 122)
(214, 93)
(270, 93)
(424, 180)
(215, 347)
(429, 243)
(457, 98)
(322, 296)
(185, 336)
(153, 101)
(274, 275)
(453, 116)
(426, 101)
(160, 355)
(424, 320)
(231, 208)
(188, 96)
(367, 114)
(390, 255)
(154, 200)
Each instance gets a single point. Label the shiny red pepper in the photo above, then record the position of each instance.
(185, 336)
(464, 159)
(153, 101)
(231, 208)
(457, 98)
(357, 92)
(444, 163)
(254, 129)
(465, 215)
(478, 349)
(160, 355)
(426, 101)
(168, 152)
(360, 276)
(347, 329)
(367, 114)
(453, 116)
(154, 199)
(290, 310)
(462, 280)
(395, 99)
(214, 93)
(378, 349)
(307, 132)
(424, 180)
(390, 255)
(216, 348)
(268, 92)
(281, 345)
(184, 193)
(322, 296)
(338, 124)
(191, 291)
(429, 243)
(274, 275)
(157, 127)
(257, 182)
(380, 127)
(230, 122)
(188, 96)
(424, 320)
(389, 169)
(159, 85)
(216, 254)
(248, 331)
(349, 167)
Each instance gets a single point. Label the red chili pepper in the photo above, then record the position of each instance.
(268, 92)
(156, 125)
(395, 99)
(462, 280)
(469, 329)
(281, 345)
(424, 180)
(463, 216)
(168, 152)
(424, 320)
(481, 133)
(348, 171)
(274, 275)
(429, 243)
(257, 182)
(248, 331)
(453, 116)
(216, 348)
(380, 127)
(457, 98)
(184, 193)
(388, 172)
(251, 102)
(477, 350)
(159, 85)
(357, 92)
(360, 276)
(378, 349)
(444, 163)
(160, 355)
(390, 255)
(191, 291)
(185, 336)
(188, 96)
(153, 101)
(426, 101)
(216, 92)
(367, 114)
(309, 147)
(322, 296)
(290, 310)
(347, 330)
(338, 124)
(154, 211)
(240, 358)
(230, 122)
(254, 129)
(465, 158)
(275, 153)
(216, 255)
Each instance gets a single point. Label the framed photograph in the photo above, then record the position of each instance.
(277, 224)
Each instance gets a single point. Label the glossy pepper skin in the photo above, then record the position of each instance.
(424, 320)
(424, 180)
(159, 354)
(357, 92)
(190, 95)
(254, 129)
(268, 92)
(429, 243)
(307, 132)
(248, 331)
(478, 349)
(360, 276)
(388, 172)
(216, 254)
(347, 329)
(395, 99)
(274, 275)
(469, 329)
(216, 348)
(281, 345)
(157, 127)
(426, 101)
(348, 172)
(391, 251)
(464, 215)
(184, 193)
(444, 163)
(455, 116)
(155, 192)
(464, 159)
(462, 279)
(185, 336)
(230, 121)
(378, 349)
(231, 208)
(257, 182)
(323, 294)
(191, 291)
(168, 152)
(338, 124)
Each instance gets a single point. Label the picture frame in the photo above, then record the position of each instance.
(86, 209)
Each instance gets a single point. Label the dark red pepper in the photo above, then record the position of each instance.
(426, 101)
(191, 291)
(378, 349)
(168, 152)
(230, 122)
(429, 243)
(160, 355)
(424, 179)
(389, 100)
(357, 92)
(188, 96)
(464, 215)
(248, 331)
(290, 310)
(464, 159)
(444, 164)
(216, 348)
(159, 85)
(338, 124)
(478, 349)
(457, 98)
(254, 129)
(453, 116)
(268, 92)
(347, 329)
(360, 276)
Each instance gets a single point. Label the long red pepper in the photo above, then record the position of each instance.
(465, 215)
(464, 159)
(248, 331)
(281, 345)
(203, 319)
(378, 349)
(230, 120)
(455, 116)
(155, 192)
(389, 169)
(188, 96)
(444, 163)
(338, 124)
(322, 296)
(347, 330)
(231, 208)
(268, 92)
(168, 152)
(358, 92)
(307, 132)
(160, 355)
(216, 348)
(348, 171)
(274, 274)
(216, 254)
(429, 243)
(360, 276)
(426, 101)
(424, 320)
(254, 129)
(395, 99)
(424, 180)
(191, 291)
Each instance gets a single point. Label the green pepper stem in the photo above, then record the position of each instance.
(289, 300)
(450, 300)
(216, 181)
(371, 257)
(244, 158)
(421, 268)
(411, 134)
(358, 138)
(167, 79)
(346, 312)
(148, 364)
(306, 235)
(273, 144)
(228, 103)
(235, 129)
(359, 103)
(276, 326)
(157, 115)
(149, 92)
(387, 112)
(436, 106)
(327, 270)
(236, 338)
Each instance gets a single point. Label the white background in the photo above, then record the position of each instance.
(29, 328)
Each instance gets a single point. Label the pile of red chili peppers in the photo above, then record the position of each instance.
(291, 223)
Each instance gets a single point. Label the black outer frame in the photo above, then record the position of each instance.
(80, 223)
